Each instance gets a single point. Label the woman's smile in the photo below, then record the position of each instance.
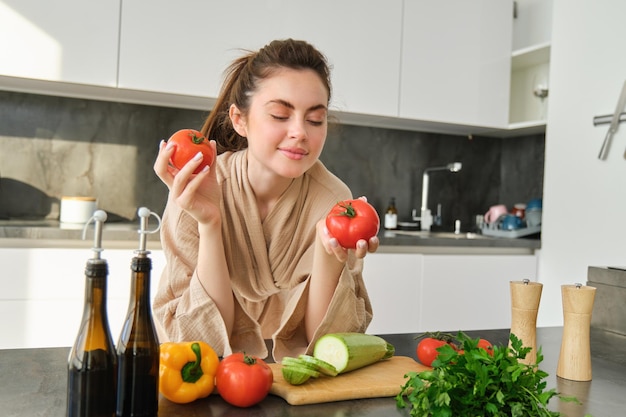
(293, 152)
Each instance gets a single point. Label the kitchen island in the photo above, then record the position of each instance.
(33, 384)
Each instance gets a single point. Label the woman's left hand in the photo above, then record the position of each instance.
(332, 246)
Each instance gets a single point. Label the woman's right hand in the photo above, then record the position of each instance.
(197, 194)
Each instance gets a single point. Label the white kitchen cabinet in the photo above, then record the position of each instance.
(532, 23)
(456, 59)
(470, 292)
(415, 293)
(42, 293)
(72, 41)
(393, 281)
(184, 49)
(530, 83)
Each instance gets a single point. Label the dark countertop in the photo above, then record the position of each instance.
(33, 383)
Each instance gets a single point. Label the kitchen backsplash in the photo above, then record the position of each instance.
(54, 146)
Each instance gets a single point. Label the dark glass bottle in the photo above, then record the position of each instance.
(138, 346)
(92, 364)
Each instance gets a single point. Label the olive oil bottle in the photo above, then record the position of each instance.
(92, 364)
(138, 345)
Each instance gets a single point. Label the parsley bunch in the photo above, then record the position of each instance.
(473, 383)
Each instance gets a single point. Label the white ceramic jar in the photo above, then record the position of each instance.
(77, 210)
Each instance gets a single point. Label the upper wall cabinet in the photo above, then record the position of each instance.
(73, 41)
(530, 84)
(456, 59)
(184, 48)
(405, 64)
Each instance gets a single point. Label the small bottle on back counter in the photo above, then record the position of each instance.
(138, 346)
(92, 364)
(391, 215)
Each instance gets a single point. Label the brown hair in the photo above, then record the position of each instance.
(242, 77)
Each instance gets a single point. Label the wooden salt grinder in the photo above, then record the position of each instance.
(525, 298)
(575, 357)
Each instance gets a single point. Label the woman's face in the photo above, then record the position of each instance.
(286, 124)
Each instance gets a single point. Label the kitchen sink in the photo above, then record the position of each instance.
(425, 234)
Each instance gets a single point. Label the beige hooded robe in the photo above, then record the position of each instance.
(269, 264)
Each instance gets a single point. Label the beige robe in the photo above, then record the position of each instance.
(269, 264)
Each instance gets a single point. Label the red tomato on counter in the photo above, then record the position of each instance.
(427, 350)
(485, 344)
(188, 143)
(352, 220)
(243, 380)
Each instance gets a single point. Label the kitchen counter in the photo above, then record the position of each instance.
(33, 383)
(447, 242)
(50, 233)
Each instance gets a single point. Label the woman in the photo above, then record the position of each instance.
(248, 254)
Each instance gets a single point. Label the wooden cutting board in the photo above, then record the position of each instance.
(382, 379)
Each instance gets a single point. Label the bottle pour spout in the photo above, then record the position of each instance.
(144, 214)
(98, 219)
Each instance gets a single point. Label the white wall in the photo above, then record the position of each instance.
(584, 198)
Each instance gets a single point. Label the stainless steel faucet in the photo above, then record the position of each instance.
(426, 218)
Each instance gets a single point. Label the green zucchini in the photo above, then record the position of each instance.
(297, 371)
(318, 364)
(297, 374)
(350, 351)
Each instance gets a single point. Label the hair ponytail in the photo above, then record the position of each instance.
(218, 126)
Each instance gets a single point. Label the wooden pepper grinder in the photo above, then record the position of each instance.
(525, 298)
(575, 357)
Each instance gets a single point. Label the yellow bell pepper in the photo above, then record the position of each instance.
(187, 371)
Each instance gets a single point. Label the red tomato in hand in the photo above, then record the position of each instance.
(485, 344)
(427, 350)
(243, 380)
(188, 143)
(352, 220)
